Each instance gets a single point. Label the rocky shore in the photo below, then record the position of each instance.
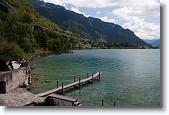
(38, 55)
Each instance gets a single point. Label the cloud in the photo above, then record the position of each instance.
(135, 16)
(85, 3)
(105, 3)
(142, 28)
(106, 19)
(98, 12)
(76, 9)
(64, 5)
(141, 10)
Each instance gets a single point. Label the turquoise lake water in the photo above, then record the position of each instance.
(131, 77)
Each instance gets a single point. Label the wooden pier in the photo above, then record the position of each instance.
(79, 82)
(52, 93)
(62, 97)
(65, 98)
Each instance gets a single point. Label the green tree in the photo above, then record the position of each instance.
(26, 18)
(28, 44)
(1, 27)
(54, 44)
(10, 51)
(41, 38)
(23, 29)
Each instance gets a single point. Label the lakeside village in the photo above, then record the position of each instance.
(102, 44)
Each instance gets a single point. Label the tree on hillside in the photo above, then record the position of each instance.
(10, 51)
(54, 44)
(1, 27)
(28, 44)
(26, 18)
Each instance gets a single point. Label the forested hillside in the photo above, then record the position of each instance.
(21, 24)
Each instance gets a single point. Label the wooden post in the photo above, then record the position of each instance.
(102, 102)
(87, 75)
(92, 78)
(54, 102)
(57, 84)
(74, 79)
(62, 87)
(79, 82)
(99, 75)
(114, 103)
(58, 102)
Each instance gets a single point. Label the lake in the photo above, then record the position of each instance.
(130, 77)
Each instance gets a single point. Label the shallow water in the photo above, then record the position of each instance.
(131, 77)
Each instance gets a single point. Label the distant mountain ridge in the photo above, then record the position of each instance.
(153, 42)
(91, 28)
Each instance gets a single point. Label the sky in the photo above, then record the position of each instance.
(140, 16)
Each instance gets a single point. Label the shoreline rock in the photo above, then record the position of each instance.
(38, 55)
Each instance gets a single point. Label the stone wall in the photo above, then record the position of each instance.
(12, 79)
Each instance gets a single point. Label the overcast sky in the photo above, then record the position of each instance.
(140, 16)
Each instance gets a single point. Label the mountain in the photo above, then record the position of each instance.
(86, 27)
(20, 23)
(153, 42)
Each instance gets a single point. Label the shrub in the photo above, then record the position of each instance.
(10, 51)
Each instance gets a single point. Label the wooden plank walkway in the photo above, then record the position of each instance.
(62, 97)
(79, 82)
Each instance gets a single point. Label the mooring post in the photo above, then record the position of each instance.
(62, 87)
(99, 75)
(58, 102)
(79, 82)
(87, 75)
(57, 84)
(74, 79)
(114, 103)
(102, 102)
(92, 78)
